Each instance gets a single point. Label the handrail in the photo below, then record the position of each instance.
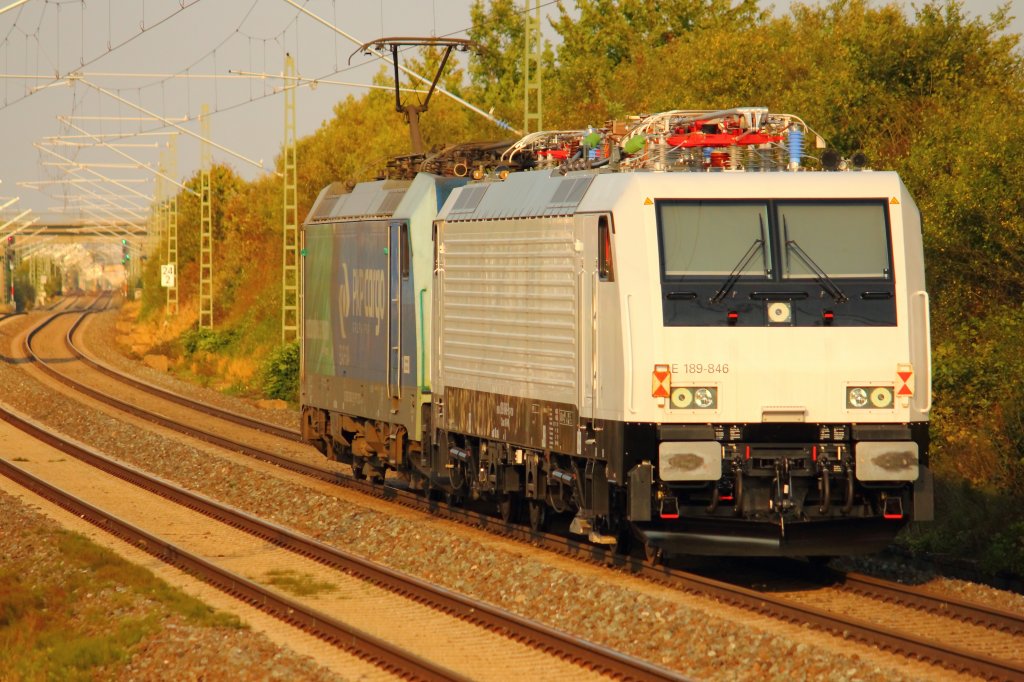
(927, 346)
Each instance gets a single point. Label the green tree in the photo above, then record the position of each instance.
(602, 37)
(497, 70)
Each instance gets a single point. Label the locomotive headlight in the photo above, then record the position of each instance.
(682, 398)
(694, 398)
(881, 397)
(869, 397)
(704, 398)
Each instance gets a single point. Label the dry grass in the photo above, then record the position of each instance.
(68, 607)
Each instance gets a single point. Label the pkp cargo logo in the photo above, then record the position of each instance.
(363, 295)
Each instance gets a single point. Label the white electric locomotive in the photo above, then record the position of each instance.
(669, 330)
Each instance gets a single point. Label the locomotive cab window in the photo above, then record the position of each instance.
(837, 238)
(710, 239)
(827, 262)
(606, 271)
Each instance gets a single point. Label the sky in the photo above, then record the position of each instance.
(134, 56)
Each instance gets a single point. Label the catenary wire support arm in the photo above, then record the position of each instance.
(111, 147)
(36, 184)
(313, 83)
(107, 201)
(85, 167)
(14, 220)
(167, 121)
(13, 5)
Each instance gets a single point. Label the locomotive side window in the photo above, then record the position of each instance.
(404, 246)
(714, 239)
(843, 239)
(606, 271)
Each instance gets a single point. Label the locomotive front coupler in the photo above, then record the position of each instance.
(782, 498)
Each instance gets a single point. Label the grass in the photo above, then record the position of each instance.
(299, 585)
(84, 611)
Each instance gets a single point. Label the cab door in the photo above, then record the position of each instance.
(594, 233)
(398, 271)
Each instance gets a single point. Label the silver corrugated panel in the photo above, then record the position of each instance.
(323, 209)
(508, 309)
(469, 199)
(378, 198)
(325, 202)
(522, 195)
(390, 202)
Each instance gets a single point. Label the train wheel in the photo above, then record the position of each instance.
(538, 515)
(357, 469)
(623, 538)
(508, 507)
(417, 481)
(654, 555)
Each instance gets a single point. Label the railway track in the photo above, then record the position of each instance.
(888, 597)
(206, 408)
(585, 658)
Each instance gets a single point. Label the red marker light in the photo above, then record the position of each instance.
(733, 316)
(828, 316)
(814, 453)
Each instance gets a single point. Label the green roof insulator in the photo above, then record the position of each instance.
(634, 144)
(592, 140)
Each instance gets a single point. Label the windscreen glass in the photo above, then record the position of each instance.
(714, 239)
(841, 239)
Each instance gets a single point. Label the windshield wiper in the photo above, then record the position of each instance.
(734, 276)
(824, 281)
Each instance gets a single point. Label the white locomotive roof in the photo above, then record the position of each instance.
(521, 195)
(548, 193)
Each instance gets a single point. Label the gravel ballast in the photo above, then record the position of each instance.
(702, 640)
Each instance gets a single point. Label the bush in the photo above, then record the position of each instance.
(280, 373)
(24, 292)
(207, 340)
(983, 527)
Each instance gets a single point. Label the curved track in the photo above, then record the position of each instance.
(886, 596)
(586, 656)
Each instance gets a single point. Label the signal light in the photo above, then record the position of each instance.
(732, 316)
(828, 316)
